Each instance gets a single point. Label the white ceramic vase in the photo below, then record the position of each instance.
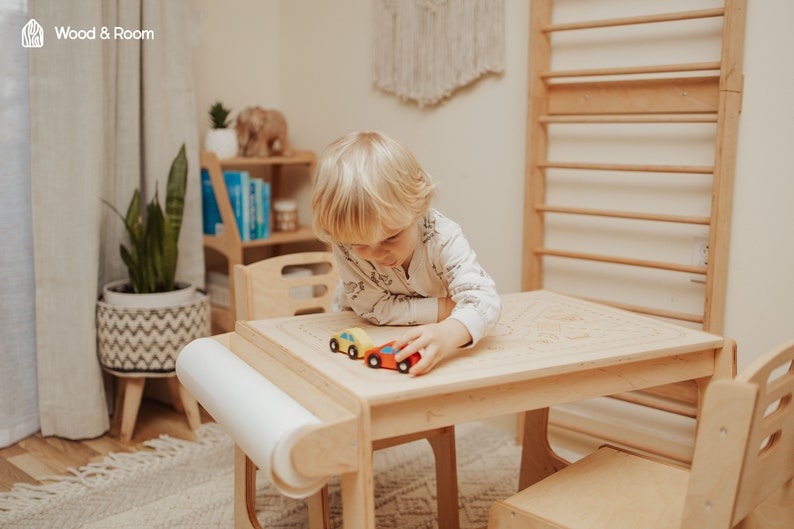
(223, 142)
(113, 294)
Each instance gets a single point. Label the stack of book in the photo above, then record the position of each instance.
(250, 200)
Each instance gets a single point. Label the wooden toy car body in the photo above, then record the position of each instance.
(353, 342)
(383, 356)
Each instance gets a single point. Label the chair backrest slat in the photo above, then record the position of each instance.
(286, 285)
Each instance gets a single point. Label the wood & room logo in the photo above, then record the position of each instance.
(33, 33)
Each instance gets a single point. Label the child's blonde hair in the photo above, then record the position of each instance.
(365, 186)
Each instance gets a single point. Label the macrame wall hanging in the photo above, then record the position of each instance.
(424, 50)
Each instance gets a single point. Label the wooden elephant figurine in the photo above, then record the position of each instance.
(262, 133)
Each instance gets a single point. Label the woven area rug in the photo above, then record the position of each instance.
(180, 484)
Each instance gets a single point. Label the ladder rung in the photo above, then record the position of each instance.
(660, 265)
(632, 118)
(652, 311)
(642, 168)
(643, 19)
(682, 219)
(630, 70)
(621, 435)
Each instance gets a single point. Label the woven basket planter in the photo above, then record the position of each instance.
(147, 340)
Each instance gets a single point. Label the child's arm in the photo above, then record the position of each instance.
(368, 294)
(476, 302)
(445, 308)
(470, 312)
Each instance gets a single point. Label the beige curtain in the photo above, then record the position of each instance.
(107, 116)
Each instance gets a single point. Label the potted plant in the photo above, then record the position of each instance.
(220, 139)
(143, 321)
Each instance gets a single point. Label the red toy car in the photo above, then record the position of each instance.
(383, 356)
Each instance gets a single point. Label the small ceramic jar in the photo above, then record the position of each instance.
(285, 214)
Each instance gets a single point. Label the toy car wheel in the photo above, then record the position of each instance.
(404, 366)
(334, 345)
(352, 352)
(373, 361)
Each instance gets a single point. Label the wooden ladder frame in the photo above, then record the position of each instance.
(701, 92)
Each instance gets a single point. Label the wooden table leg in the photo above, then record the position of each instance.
(133, 391)
(446, 478)
(725, 366)
(244, 491)
(538, 460)
(319, 513)
(245, 495)
(358, 492)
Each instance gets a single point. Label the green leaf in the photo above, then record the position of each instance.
(131, 263)
(175, 190)
(174, 209)
(154, 239)
(133, 220)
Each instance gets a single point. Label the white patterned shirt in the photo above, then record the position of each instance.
(443, 265)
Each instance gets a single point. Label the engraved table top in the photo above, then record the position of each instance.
(540, 333)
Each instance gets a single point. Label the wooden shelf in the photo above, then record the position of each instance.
(302, 234)
(229, 244)
(297, 158)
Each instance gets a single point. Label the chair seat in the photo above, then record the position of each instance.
(608, 489)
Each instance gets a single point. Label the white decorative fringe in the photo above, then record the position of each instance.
(25, 499)
(424, 50)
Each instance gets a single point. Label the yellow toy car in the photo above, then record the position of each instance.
(353, 341)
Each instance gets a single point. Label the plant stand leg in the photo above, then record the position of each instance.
(133, 391)
(188, 404)
(176, 397)
(118, 396)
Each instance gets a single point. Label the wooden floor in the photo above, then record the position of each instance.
(34, 457)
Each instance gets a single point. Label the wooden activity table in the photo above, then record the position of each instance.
(547, 349)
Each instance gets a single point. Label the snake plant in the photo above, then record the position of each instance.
(151, 257)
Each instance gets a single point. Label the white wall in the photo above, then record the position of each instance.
(236, 55)
(760, 311)
(311, 60)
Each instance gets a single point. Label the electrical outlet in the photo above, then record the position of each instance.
(700, 257)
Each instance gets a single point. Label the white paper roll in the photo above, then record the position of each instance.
(263, 420)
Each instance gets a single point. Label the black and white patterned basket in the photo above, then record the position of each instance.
(144, 340)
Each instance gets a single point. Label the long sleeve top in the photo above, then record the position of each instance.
(443, 265)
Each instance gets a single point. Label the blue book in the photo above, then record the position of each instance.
(257, 212)
(237, 184)
(265, 210)
(210, 214)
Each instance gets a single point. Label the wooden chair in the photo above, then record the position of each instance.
(744, 455)
(304, 283)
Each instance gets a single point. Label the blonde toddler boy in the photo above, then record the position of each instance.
(401, 262)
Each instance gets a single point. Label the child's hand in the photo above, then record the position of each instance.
(433, 341)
